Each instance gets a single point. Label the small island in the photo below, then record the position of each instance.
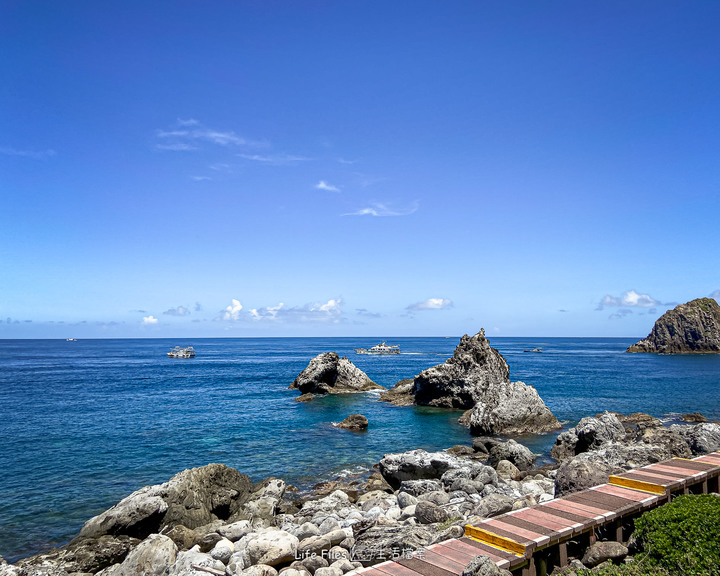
(690, 328)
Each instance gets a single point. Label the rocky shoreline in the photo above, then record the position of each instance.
(214, 520)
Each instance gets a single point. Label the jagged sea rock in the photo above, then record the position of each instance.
(193, 498)
(356, 422)
(690, 328)
(327, 373)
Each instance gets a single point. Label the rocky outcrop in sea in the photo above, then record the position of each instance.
(327, 373)
(477, 378)
(690, 328)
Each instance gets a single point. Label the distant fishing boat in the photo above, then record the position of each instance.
(70, 339)
(534, 350)
(180, 352)
(381, 348)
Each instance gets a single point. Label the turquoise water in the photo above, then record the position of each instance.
(83, 424)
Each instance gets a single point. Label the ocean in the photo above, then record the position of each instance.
(83, 424)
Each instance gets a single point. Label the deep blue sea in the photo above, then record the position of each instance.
(83, 424)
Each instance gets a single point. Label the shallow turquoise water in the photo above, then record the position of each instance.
(83, 424)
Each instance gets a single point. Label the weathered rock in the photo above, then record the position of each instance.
(223, 550)
(260, 506)
(85, 555)
(208, 541)
(401, 394)
(506, 469)
(519, 455)
(695, 418)
(184, 537)
(272, 547)
(419, 465)
(673, 442)
(305, 397)
(690, 328)
(417, 487)
(259, 570)
(183, 566)
(355, 422)
(192, 498)
(327, 373)
(493, 505)
(590, 434)
(377, 543)
(484, 566)
(602, 551)
(701, 438)
(429, 513)
(235, 530)
(477, 376)
(152, 557)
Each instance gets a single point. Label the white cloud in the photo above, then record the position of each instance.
(177, 147)
(188, 134)
(379, 209)
(431, 304)
(629, 299)
(322, 185)
(267, 313)
(188, 122)
(39, 154)
(621, 313)
(179, 311)
(716, 295)
(232, 312)
(149, 320)
(201, 178)
(275, 160)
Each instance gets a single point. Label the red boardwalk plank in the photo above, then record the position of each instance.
(687, 472)
(520, 535)
(574, 516)
(372, 572)
(692, 464)
(608, 504)
(630, 494)
(459, 554)
(660, 478)
(540, 530)
(659, 469)
(424, 568)
(559, 525)
(593, 513)
(442, 561)
(394, 569)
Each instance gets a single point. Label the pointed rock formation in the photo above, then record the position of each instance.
(477, 377)
(690, 328)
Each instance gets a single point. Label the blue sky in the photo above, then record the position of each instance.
(343, 168)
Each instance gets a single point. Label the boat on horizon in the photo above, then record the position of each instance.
(182, 352)
(536, 350)
(70, 339)
(382, 348)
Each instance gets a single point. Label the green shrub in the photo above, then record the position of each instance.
(683, 536)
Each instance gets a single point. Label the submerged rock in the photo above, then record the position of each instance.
(327, 373)
(354, 422)
(401, 394)
(690, 328)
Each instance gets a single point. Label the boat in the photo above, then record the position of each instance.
(180, 352)
(70, 339)
(381, 348)
(534, 350)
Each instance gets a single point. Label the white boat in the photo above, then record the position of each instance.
(381, 348)
(70, 339)
(180, 352)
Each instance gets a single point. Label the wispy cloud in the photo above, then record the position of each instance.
(322, 185)
(378, 209)
(621, 313)
(190, 134)
(179, 311)
(344, 161)
(149, 320)
(716, 295)
(37, 154)
(275, 160)
(630, 299)
(201, 178)
(431, 304)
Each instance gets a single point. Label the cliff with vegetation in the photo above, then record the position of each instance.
(691, 328)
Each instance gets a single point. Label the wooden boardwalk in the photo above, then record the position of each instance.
(530, 541)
